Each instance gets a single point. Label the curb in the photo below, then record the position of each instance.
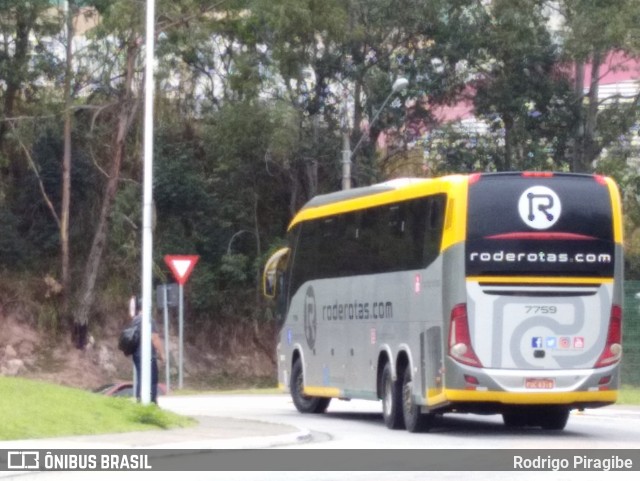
(210, 433)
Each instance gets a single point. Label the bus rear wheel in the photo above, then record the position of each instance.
(302, 402)
(391, 399)
(414, 420)
(554, 419)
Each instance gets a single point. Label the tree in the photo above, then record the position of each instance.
(519, 83)
(116, 48)
(25, 62)
(70, 12)
(593, 30)
(119, 28)
(21, 58)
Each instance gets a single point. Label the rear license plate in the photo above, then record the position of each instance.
(537, 383)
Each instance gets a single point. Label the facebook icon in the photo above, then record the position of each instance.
(536, 342)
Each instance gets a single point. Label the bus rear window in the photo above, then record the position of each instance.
(559, 225)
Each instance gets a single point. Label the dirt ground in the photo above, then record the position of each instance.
(239, 358)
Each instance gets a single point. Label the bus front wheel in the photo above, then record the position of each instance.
(303, 403)
(391, 399)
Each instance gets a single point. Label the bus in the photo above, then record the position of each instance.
(487, 293)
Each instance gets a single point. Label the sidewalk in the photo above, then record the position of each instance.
(209, 433)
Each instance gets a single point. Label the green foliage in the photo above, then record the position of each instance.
(234, 270)
(629, 395)
(41, 410)
(13, 252)
(251, 99)
(600, 25)
(520, 84)
(620, 162)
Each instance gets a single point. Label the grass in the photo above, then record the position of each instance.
(629, 395)
(35, 409)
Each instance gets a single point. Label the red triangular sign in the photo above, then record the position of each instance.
(181, 266)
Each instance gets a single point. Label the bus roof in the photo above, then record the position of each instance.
(378, 194)
(342, 195)
(403, 189)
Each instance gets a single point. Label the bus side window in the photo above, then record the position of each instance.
(305, 261)
(396, 221)
(417, 220)
(368, 241)
(435, 227)
(347, 247)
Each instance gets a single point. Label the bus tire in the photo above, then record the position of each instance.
(391, 399)
(303, 403)
(553, 419)
(414, 420)
(515, 419)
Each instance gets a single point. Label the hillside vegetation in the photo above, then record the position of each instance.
(255, 102)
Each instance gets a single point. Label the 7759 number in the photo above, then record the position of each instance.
(541, 309)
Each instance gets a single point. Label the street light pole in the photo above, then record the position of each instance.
(401, 83)
(346, 160)
(147, 211)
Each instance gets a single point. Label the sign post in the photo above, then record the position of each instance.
(181, 267)
(167, 295)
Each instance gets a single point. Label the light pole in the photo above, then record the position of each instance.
(347, 154)
(233, 237)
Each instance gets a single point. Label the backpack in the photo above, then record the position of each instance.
(130, 338)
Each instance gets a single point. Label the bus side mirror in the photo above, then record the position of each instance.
(273, 270)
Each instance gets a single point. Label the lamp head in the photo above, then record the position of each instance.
(401, 83)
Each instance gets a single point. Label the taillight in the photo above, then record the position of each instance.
(475, 177)
(613, 348)
(600, 179)
(460, 339)
(537, 174)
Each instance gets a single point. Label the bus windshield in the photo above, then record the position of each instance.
(550, 226)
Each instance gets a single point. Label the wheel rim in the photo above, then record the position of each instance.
(407, 403)
(388, 398)
(299, 386)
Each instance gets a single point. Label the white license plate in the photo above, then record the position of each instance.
(539, 383)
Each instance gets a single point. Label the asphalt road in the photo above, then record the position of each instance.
(271, 421)
(359, 424)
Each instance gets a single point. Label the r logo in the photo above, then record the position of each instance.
(539, 207)
(310, 318)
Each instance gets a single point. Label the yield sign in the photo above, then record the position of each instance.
(181, 266)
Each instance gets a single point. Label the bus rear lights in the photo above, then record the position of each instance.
(460, 339)
(612, 351)
(604, 380)
(471, 379)
(600, 179)
(475, 177)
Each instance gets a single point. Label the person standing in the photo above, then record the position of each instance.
(157, 351)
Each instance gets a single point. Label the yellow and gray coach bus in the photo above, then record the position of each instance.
(482, 293)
